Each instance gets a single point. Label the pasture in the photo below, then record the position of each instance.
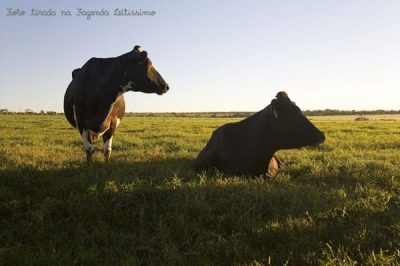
(337, 204)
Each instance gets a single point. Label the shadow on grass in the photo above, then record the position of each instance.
(161, 212)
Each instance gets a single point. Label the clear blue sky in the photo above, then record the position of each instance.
(216, 55)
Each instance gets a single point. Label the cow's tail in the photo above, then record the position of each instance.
(69, 99)
(69, 107)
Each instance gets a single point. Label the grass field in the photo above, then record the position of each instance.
(338, 204)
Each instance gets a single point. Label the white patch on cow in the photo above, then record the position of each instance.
(76, 119)
(105, 119)
(97, 135)
(275, 113)
(125, 88)
(107, 145)
(86, 143)
(118, 121)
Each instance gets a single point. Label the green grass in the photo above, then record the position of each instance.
(338, 204)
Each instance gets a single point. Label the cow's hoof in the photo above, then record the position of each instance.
(107, 156)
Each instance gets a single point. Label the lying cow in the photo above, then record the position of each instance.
(94, 101)
(248, 146)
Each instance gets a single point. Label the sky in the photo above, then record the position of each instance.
(215, 55)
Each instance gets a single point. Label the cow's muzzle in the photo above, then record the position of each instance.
(163, 90)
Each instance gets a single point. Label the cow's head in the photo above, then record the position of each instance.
(289, 127)
(140, 74)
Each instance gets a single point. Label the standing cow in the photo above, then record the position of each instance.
(248, 146)
(94, 101)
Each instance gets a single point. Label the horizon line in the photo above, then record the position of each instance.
(188, 112)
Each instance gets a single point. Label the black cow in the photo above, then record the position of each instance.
(248, 146)
(94, 101)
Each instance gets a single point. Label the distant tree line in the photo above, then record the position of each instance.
(193, 114)
(352, 112)
(28, 112)
(325, 112)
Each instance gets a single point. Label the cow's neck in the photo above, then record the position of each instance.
(264, 135)
(115, 86)
(118, 83)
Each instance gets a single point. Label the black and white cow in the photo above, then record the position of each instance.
(94, 101)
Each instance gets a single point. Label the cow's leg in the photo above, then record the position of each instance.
(107, 139)
(87, 142)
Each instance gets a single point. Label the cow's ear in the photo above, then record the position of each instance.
(139, 56)
(274, 108)
(282, 96)
(142, 57)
